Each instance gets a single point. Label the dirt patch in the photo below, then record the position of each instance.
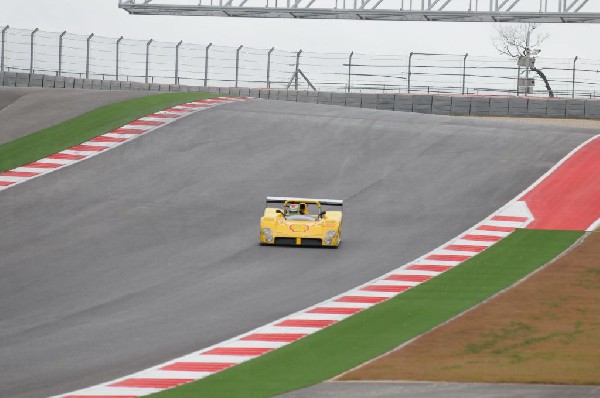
(544, 330)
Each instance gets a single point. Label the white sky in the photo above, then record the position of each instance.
(104, 18)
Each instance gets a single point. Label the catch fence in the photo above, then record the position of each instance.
(97, 57)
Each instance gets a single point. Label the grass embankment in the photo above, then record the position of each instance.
(373, 332)
(545, 330)
(82, 128)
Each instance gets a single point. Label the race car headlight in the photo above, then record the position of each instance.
(327, 241)
(266, 231)
(330, 234)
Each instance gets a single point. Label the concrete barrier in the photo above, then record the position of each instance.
(59, 82)
(517, 107)
(592, 109)
(537, 107)
(480, 106)
(10, 79)
(354, 100)
(461, 106)
(441, 105)
(48, 81)
(324, 98)
(498, 106)
(421, 103)
(23, 80)
(403, 102)
(385, 102)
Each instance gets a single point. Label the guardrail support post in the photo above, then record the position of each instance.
(87, 57)
(237, 64)
(573, 90)
(177, 62)
(31, 53)
(464, 72)
(297, 68)
(409, 72)
(206, 65)
(350, 69)
(60, 51)
(117, 58)
(269, 67)
(147, 59)
(3, 44)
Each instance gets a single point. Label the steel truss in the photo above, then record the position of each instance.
(542, 11)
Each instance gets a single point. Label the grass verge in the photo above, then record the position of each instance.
(373, 332)
(82, 128)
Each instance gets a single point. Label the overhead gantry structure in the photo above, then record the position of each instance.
(536, 11)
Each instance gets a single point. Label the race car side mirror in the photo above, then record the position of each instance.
(321, 214)
(278, 211)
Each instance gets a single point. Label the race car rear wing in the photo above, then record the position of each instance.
(325, 202)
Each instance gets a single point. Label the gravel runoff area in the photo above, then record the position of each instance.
(25, 110)
(544, 330)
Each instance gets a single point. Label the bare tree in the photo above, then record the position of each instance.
(511, 40)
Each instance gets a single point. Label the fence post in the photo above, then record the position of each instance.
(3, 43)
(147, 58)
(117, 58)
(177, 62)
(31, 53)
(464, 72)
(409, 72)
(573, 91)
(350, 69)
(297, 67)
(237, 65)
(518, 77)
(87, 57)
(269, 67)
(60, 51)
(206, 65)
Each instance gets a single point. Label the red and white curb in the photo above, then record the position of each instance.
(102, 143)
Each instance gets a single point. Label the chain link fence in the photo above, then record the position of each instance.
(97, 57)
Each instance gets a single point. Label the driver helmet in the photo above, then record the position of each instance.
(294, 208)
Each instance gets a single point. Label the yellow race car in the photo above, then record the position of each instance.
(301, 222)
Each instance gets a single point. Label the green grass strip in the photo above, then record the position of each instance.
(370, 333)
(82, 128)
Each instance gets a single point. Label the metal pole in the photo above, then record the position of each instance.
(3, 44)
(350, 69)
(464, 72)
(60, 52)
(147, 58)
(573, 91)
(269, 67)
(409, 73)
(31, 54)
(527, 55)
(237, 65)
(177, 62)
(297, 67)
(206, 65)
(518, 77)
(87, 58)
(117, 58)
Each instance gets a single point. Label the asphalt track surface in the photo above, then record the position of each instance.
(149, 251)
(25, 110)
(441, 390)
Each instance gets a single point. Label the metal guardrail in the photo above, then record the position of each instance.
(95, 57)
